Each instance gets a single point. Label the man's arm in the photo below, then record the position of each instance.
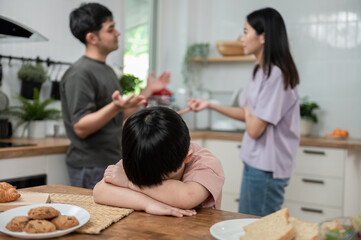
(112, 195)
(92, 122)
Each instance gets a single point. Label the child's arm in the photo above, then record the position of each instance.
(184, 195)
(109, 194)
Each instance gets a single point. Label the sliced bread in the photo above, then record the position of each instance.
(304, 230)
(271, 227)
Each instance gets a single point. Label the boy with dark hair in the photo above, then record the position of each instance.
(162, 172)
(92, 105)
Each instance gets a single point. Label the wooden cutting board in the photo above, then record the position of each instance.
(27, 198)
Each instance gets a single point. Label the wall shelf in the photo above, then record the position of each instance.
(246, 58)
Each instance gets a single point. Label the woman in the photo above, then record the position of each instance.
(270, 112)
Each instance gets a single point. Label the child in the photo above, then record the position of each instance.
(162, 172)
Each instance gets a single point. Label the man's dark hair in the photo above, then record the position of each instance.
(89, 17)
(155, 142)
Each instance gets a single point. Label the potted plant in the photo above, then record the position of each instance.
(33, 114)
(200, 50)
(130, 84)
(308, 116)
(32, 76)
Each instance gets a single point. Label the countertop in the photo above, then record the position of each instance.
(141, 225)
(60, 145)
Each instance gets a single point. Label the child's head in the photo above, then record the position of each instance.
(89, 17)
(155, 143)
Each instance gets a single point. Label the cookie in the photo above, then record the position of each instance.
(39, 226)
(64, 222)
(17, 224)
(43, 213)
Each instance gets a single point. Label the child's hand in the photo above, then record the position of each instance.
(115, 175)
(158, 208)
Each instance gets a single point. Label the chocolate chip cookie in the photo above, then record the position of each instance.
(63, 222)
(17, 224)
(39, 226)
(43, 213)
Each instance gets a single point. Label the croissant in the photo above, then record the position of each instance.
(8, 193)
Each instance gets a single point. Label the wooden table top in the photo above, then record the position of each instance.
(140, 225)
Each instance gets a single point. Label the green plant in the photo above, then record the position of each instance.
(200, 50)
(307, 108)
(130, 84)
(32, 110)
(32, 73)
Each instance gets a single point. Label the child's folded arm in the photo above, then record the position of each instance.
(112, 195)
(184, 195)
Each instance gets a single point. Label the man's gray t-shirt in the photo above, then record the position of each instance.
(86, 87)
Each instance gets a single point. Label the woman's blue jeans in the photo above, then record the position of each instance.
(261, 194)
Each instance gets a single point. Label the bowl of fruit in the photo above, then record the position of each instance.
(337, 133)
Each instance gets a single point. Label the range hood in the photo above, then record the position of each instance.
(12, 31)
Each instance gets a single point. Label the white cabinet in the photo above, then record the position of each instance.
(228, 153)
(316, 189)
(53, 165)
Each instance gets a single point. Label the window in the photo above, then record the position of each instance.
(138, 35)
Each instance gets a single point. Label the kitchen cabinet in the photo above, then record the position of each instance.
(319, 188)
(228, 153)
(52, 165)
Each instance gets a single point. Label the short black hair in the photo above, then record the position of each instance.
(155, 142)
(89, 17)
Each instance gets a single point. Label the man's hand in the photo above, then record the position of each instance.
(197, 105)
(115, 175)
(158, 208)
(131, 102)
(159, 83)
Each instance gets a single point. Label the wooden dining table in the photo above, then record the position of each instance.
(141, 225)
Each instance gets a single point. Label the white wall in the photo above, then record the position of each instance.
(325, 40)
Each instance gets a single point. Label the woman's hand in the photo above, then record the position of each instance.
(197, 105)
(158, 208)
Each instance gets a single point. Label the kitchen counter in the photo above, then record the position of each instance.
(354, 144)
(43, 146)
(141, 225)
(60, 145)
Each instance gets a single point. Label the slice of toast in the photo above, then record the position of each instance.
(304, 230)
(271, 227)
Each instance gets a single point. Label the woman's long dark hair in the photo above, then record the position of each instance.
(276, 47)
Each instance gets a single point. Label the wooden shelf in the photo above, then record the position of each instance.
(247, 58)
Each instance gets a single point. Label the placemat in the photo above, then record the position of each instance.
(101, 216)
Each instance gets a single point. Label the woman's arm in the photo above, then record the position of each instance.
(254, 125)
(112, 195)
(232, 112)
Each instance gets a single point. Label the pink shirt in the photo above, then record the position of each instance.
(205, 169)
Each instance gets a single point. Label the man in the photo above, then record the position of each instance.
(92, 105)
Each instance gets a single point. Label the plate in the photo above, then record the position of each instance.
(230, 229)
(81, 214)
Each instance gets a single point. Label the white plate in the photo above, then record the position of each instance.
(230, 229)
(65, 209)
